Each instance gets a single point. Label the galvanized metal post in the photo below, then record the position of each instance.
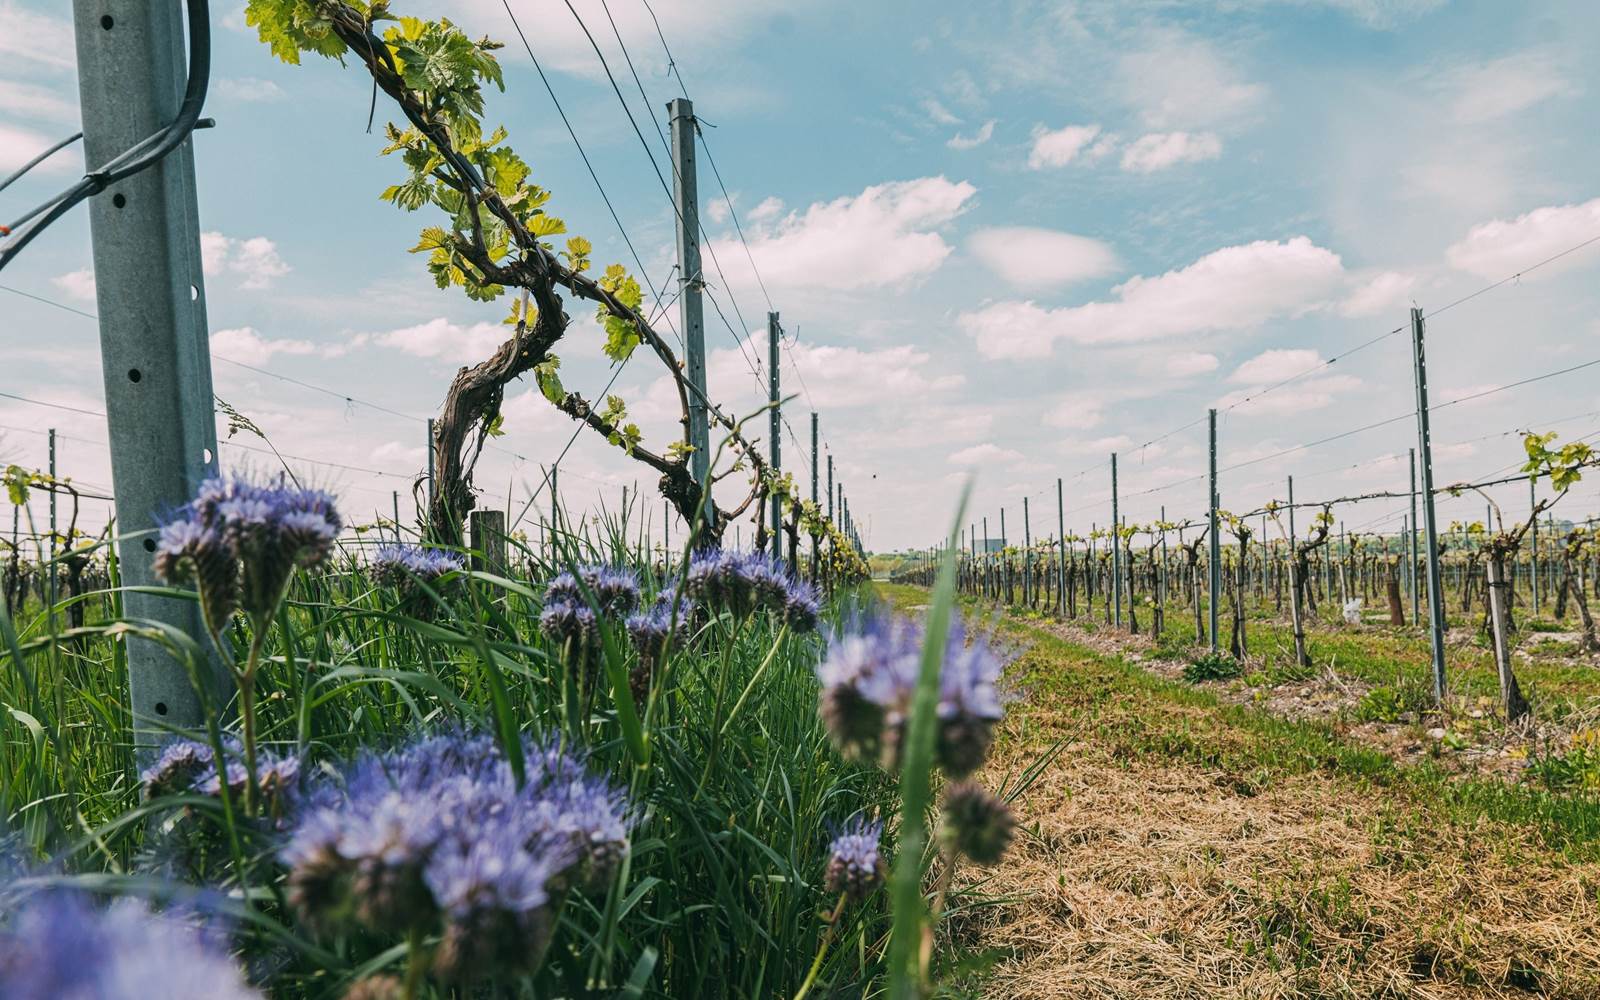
(150, 290)
(816, 554)
(1411, 538)
(680, 112)
(555, 512)
(394, 497)
(775, 428)
(1533, 541)
(1027, 555)
(1215, 567)
(1430, 523)
(1116, 546)
(1061, 557)
(50, 570)
(830, 489)
(431, 461)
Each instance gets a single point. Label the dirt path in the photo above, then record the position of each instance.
(1182, 847)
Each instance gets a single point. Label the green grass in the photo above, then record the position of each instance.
(1141, 715)
(722, 891)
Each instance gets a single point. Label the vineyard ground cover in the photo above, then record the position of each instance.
(1184, 846)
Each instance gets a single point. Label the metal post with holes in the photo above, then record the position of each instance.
(1116, 546)
(555, 513)
(431, 458)
(1533, 541)
(1027, 555)
(1430, 529)
(394, 496)
(774, 423)
(680, 112)
(1215, 567)
(1411, 538)
(154, 351)
(50, 569)
(816, 555)
(1061, 557)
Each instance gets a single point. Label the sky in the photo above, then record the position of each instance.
(1005, 240)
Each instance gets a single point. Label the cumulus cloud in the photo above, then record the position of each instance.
(1276, 365)
(1382, 294)
(79, 284)
(19, 145)
(253, 260)
(1059, 147)
(1160, 150)
(29, 100)
(246, 346)
(984, 133)
(1297, 397)
(1035, 259)
(886, 235)
(440, 339)
(1236, 287)
(1187, 364)
(1495, 249)
(984, 454)
(249, 89)
(29, 37)
(1076, 412)
(1488, 91)
(1179, 81)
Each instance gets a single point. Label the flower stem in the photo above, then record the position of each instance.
(822, 949)
(416, 965)
(247, 717)
(743, 695)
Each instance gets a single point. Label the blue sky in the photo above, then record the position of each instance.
(1008, 238)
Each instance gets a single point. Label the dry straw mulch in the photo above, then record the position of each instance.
(1140, 879)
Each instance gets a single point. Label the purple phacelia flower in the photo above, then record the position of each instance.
(240, 542)
(977, 825)
(397, 565)
(869, 678)
(743, 583)
(59, 945)
(855, 864)
(437, 836)
(614, 591)
(177, 768)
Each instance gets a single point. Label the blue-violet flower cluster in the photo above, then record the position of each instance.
(239, 542)
(60, 945)
(742, 583)
(396, 564)
(855, 864)
(436, 836)
(870, 676)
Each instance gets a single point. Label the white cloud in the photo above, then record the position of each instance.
(254, 260)
(984, 134)
(1059, 147)
(768, 209)
(250, 89)
(836, 377)
(1160, 150)
(884, 236)
(247, 346)
(1178, 81)
(1379, 13)
(1504, 86)
(983, 454)
(78, 284)
(717, 211)
(1076, 412)
(1036, 259)
(28, 100)
(1297, 397)
(1186, 364)
(1235, 287)
(1276, 365)
(19, 145)
(938, 113)
(26, 36)
(441, 339)
(1384, 293)
(1501, 247)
